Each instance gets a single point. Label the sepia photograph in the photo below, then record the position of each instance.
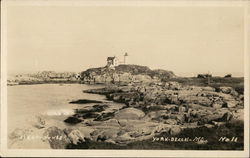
(125, 78)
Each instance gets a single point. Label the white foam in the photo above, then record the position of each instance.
(59, 112)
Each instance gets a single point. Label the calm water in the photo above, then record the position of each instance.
(51, 101)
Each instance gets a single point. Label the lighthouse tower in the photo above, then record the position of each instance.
(126, 58)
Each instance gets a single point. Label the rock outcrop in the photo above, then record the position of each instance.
(140, 112)
(124, 74)
(155, 108)
(56, 138)
(129, 114)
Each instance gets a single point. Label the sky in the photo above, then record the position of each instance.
(185, 40)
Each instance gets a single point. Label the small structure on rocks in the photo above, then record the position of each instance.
(228, 76)
(112, 62)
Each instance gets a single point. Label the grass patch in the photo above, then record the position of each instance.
(235, 82)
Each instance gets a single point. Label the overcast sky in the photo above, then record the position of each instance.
(186, 40)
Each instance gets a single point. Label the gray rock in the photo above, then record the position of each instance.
(171, 121)
(216, 105)
(231, 103)
(209, 125)
(56, 138)
(182, 109)
(74, 135)
(174, 130)
(104, 134)
(209, 118)
(130, 114)
(241, 97)
(226, 90)
(226, 117)
(180, 118)
(234, 93)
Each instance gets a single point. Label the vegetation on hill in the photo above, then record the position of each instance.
(144, 70)
(131, 69)
(235, 82)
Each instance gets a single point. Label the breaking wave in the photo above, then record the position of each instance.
(59, 112)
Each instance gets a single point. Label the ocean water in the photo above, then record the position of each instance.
(48, 101)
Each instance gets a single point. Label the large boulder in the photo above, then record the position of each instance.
(225, 90)
(231, 103)
(112, 123)
(73, 120)
(226, 117)
(228, 90)
(130, 114)
(171, 122)
(175, 130)
(56, 138)
(104, 134)
(216, 105)
(74, 135)
(238, 114)
(157, 115)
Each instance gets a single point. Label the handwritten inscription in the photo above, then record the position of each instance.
(180, 139)
(199, 140)
(227, 139)
(32, 137)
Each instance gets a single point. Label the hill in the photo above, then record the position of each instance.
(125, 73)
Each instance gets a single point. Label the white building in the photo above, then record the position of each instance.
(112, 62)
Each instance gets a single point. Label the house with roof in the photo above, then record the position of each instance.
(114, 61)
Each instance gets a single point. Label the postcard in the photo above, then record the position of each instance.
(108, 78)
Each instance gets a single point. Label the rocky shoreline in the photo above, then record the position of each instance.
(159, 109)
(44, 77)
(150, 110)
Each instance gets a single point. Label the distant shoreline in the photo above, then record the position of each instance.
(51, 82)
(235, 82)
(43, 82)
